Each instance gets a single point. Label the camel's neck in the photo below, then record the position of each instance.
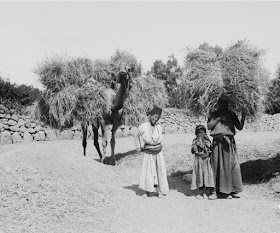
(120, 96)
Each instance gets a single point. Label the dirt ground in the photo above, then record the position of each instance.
(50, 187)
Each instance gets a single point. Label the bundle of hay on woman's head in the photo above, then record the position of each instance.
(236, 72)
(244, 77)
(201, 81)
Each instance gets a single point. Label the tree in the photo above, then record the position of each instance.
(17, 96)
(159, 70)
(170, 72)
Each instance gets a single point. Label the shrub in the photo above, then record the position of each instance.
(15, 96)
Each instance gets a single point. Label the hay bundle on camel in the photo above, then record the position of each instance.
(202, 81)
(145, 92)
(75, 90)
(71, 93)
(122, 59)
(236, 73)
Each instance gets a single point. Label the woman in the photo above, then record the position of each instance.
(224, 160)
(153, 176)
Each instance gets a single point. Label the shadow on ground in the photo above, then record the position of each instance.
(175, 181)
(181, 181)
(130, 153)
(260, 170)
(136, 189)
(119, 157)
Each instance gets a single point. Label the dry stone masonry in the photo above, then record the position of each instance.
(16, 128)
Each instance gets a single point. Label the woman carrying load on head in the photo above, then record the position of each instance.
(224, 160)
(153, 176)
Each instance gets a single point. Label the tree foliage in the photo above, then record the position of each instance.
(170, 73)
(17, 96)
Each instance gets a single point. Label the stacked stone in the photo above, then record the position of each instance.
(173, 122)
(17, 128)
(72, 133)
(179, 122)
(264, 122)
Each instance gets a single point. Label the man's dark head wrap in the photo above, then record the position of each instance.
(156, 110)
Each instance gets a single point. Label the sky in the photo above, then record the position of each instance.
(32, 31)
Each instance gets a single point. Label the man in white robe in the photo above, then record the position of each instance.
(153, 176)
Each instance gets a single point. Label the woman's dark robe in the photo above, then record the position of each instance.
(224, 160)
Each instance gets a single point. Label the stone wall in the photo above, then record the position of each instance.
(177, 121)
(18, 128)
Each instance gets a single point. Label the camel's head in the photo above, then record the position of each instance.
(124, 76)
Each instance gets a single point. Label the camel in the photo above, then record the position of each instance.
(116, 101)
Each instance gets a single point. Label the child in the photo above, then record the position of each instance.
(202, 176)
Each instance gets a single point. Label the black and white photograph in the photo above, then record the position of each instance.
(139, 116)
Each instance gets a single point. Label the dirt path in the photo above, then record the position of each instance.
(126, 211)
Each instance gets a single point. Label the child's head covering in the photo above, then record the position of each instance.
(199, 127)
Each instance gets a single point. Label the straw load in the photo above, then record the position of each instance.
(202, 81)
(244, 77)
(71, 92)
(145, 92)
(121, 59)
(236, 73)
(76, 90)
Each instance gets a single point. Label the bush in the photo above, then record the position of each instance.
(15, 96)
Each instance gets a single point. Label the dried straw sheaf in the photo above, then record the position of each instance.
(75, 90)
(72, 105)
(244, 77)
(121, 59)
(202, 81)
(71, 92)
(236, 73)
(144, 93)
(59, 72)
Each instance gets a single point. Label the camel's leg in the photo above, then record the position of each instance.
(95, 141)
(84, 142)
(116, 124)
(104, 139)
